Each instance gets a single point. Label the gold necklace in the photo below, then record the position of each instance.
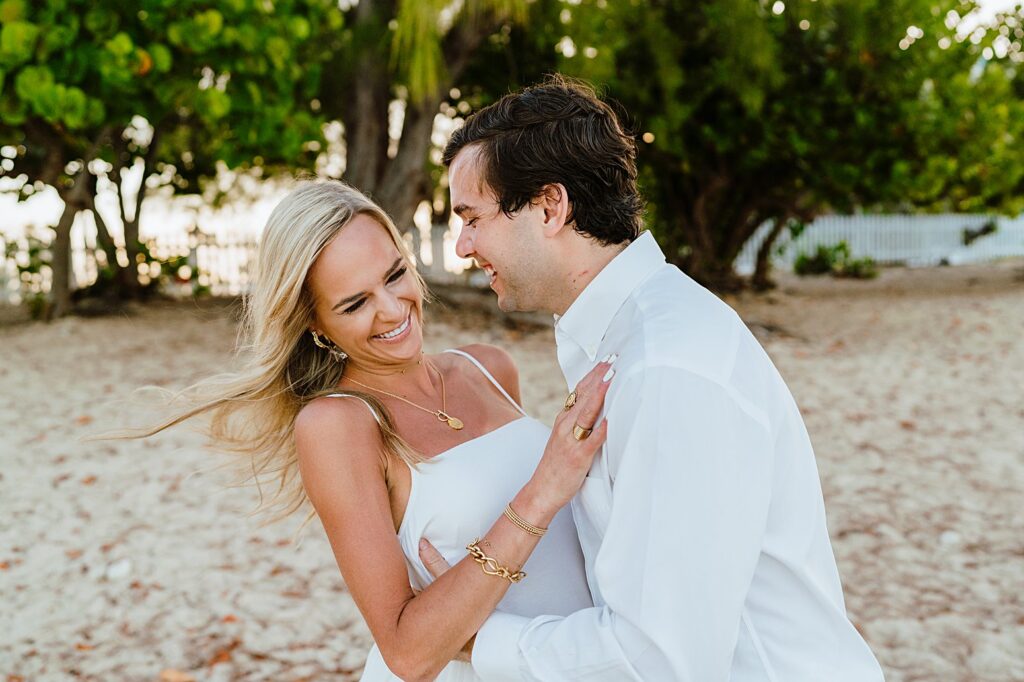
(442, 414)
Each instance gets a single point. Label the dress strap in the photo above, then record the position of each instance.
(490, 378)
(360, 398)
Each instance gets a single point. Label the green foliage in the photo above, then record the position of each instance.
(17, 42)
(835, 260)
(417, 51)
(91, 68)
(857, 268)
(11, 11)
(748, 116)
(184, 89)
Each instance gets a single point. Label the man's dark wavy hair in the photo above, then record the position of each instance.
(558, 132)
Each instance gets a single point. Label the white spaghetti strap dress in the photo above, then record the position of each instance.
(456, 497)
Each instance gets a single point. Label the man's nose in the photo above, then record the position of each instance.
(464, 244)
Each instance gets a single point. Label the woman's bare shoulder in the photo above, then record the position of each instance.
(325, 423)
(498, 362)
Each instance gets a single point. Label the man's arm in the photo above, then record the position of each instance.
(692, 466)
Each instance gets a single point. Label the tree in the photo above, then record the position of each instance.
(398, 62)
(174, 90)
(753, 112)
(972, 123)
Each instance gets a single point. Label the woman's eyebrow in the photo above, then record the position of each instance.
(355, 297)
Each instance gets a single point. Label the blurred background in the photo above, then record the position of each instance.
(848, 174)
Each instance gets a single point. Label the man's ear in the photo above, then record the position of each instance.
(554, 200)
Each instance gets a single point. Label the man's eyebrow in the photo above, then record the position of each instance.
(461, 209)
(355, 297)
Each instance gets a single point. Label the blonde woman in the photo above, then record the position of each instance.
(393, 445)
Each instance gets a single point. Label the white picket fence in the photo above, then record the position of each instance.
(224, 262)
(914, 240)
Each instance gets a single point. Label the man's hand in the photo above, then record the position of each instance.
(436, 565)
(567, 458)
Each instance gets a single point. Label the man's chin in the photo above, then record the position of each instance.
(507, 304)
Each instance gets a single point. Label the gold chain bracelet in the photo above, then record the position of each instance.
(491, 566)
(511, 515)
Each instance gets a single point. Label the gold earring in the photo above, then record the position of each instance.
(337, 353)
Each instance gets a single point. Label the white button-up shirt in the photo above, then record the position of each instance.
(702, 521)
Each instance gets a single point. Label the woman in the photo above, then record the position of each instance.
(394, 445)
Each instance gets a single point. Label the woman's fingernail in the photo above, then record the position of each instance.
(613, 357)
(423, 543)
(605, 358)
(608, 375)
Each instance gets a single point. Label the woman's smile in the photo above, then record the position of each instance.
(397, 334)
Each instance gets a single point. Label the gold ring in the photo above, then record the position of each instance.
(570, 400)
(580, 433)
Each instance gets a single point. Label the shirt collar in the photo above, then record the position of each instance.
(587, 319)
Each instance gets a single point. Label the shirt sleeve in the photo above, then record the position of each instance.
(691, 463)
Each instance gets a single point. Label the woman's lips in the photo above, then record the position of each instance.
(405, 327)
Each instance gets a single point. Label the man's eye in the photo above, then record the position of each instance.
(355, 306)
(397, 275)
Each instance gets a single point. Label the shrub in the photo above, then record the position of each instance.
(836, 260)
(823, 261)
(33, 259)
(856, 268)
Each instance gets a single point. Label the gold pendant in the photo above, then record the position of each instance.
(453, 422)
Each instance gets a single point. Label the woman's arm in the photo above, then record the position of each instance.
(342, 470)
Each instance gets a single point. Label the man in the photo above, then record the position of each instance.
(702, 521)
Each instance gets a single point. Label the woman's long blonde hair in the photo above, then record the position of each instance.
(252, 410)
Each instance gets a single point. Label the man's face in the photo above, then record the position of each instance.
(510, 250)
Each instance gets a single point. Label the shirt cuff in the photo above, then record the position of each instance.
(496, 649)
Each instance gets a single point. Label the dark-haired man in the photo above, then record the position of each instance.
(702, 520)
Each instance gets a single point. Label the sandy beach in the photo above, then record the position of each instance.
(135, 561)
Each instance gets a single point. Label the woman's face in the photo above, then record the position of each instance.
(366, 299)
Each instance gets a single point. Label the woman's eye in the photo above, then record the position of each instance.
(397, 275)
(355, 306)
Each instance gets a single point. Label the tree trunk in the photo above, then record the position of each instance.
(405, 183)
(713, 221)
(60, 264)
(362, 99)
(761, 279)
(713, 272)
(129, 287)
(706, 259)
(691, 242)
(437, 232)
(366, 134)
(76, 198)
(103, 238)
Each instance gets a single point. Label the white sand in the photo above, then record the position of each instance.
(119, 562)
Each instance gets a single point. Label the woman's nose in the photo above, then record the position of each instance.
(464, 244)
(391, 307)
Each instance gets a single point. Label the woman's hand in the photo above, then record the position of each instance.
(567, 458)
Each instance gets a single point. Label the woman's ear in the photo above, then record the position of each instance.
(554, 200)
